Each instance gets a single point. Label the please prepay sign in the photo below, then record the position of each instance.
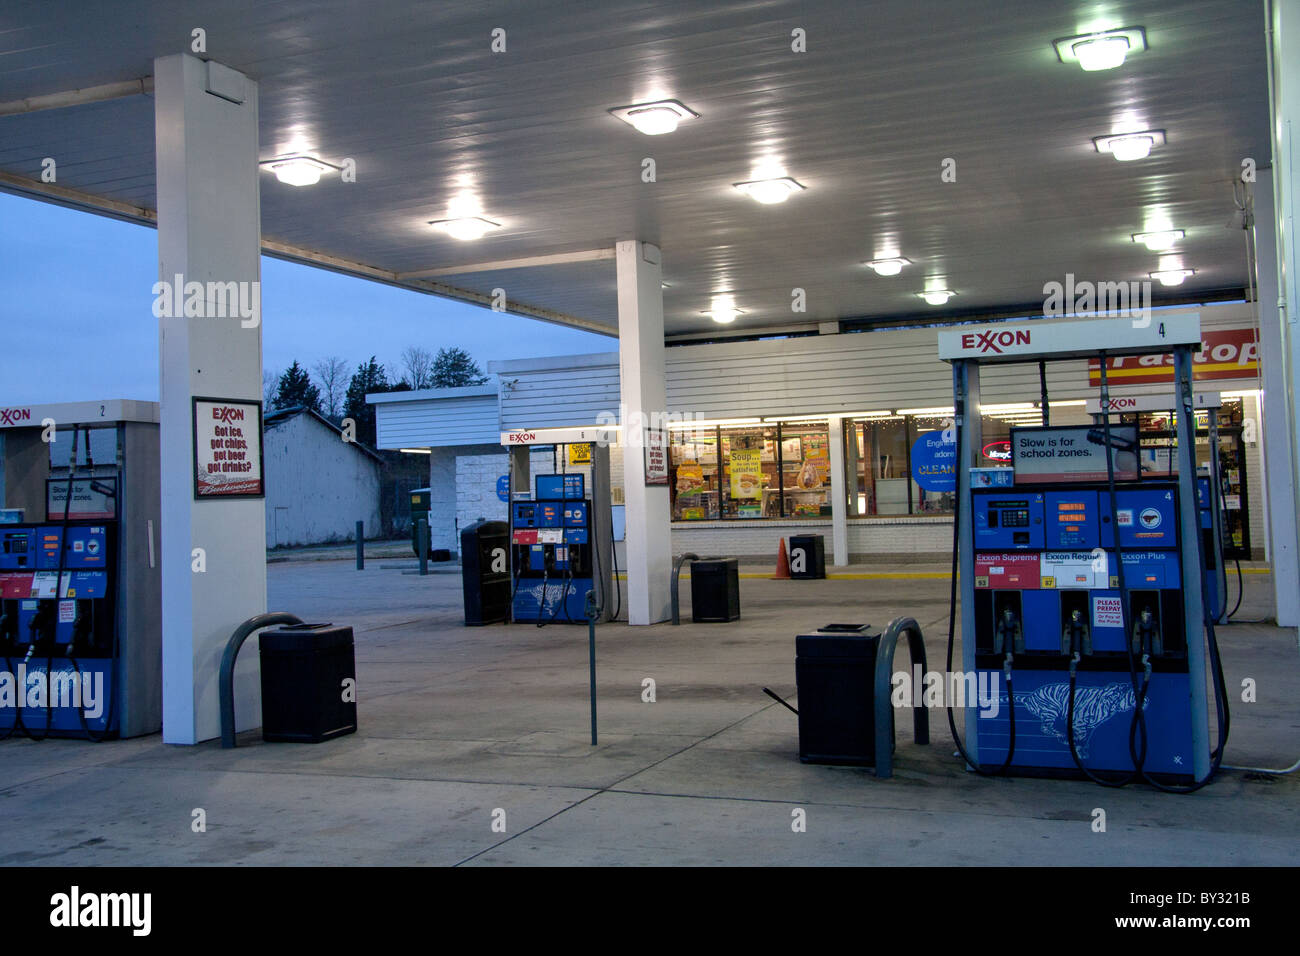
(1072, 453)
(227, 448)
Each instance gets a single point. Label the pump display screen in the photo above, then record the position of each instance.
(564, 487)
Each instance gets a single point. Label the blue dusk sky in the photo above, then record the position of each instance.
(76, 309)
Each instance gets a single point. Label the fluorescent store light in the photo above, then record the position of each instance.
(416, 451)
(940, 410)
(721, 423)
(1009, 407)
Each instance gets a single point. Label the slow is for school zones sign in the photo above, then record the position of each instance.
(227, 448)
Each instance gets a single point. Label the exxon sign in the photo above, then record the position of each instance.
(994, 341)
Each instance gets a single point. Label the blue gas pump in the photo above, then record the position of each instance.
(552, 550)
(1089, 601)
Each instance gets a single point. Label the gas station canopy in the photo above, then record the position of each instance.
(947, 133)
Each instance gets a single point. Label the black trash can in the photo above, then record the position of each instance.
(308, 683)
(807, 556)
(485, 572)
(715, 591)
(835, 673)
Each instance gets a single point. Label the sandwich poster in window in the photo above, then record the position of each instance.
(746, 473)
(227, 448)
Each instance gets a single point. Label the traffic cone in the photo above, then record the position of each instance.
(782, 564)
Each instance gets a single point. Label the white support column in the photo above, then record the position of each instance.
(839, 496)
(1284, 58)
(1274, 433)
(643, 392)
(209, 231)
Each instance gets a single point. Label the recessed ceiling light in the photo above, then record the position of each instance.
(466, 227)
(1159, 241)
(723, 310)
(769, 191)
(655, 119)
(1103, 50)
(298, 170)
(1172, 276)
(937, 296)
(889, 267)
(1127, 147)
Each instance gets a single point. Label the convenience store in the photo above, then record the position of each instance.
(837, 433)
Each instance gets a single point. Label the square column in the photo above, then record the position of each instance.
(839, 494)
(644, 397)
(1278, 313)
(213, 551)
(1276, 430)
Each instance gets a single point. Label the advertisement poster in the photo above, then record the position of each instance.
(746, 473)
(656, 457)
(227, 448)
(934, 462)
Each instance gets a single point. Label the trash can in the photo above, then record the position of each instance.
(485, 572)
(807, 556)
(308, 683)
(835, 673)
(715, 591)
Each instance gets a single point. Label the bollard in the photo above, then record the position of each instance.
(592, 613)
(422, 536)
(361, 545)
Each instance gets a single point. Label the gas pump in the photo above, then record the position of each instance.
(1158, 462)
(561, 540)
(1085, 580)
(551, 543)
(80, 638)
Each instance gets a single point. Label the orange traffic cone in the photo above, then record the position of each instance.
(782, 564)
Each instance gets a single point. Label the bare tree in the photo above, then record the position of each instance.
(332, 373)
(418, 365)
(270, 383)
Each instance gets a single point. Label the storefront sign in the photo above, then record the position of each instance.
(746, 473)
(1075, 453)
(503, 487)
(656, 457)
(1230, 353)
(934, 462)
(227, 448)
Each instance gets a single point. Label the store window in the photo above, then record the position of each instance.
(805, 471)
(694, 483)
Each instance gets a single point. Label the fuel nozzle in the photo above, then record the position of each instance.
(1076, 638)
(1146, 633)
(82, 628)
(1007, 635)
(41, 628)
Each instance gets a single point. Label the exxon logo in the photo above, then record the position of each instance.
(227, 413)
(12, 416)
(994, 341)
